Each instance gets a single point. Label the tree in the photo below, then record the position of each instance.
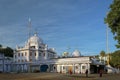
(113, 20)
(0, 46)
(115, 59)
(102, 53)
(6, 51)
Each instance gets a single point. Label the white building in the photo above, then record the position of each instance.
(33, 52)
(36, 56)
(5, 63)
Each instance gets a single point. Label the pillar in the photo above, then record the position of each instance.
(88, 66)
(73, 68)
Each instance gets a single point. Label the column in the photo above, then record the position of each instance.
(80, 68)
(46, 53)
(88, 65)
(48, 70)
(73, 68)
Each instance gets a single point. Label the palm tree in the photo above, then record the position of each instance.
(102, 54)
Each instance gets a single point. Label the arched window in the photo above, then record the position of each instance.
(22, 54)
(25, 53)
(18, 54)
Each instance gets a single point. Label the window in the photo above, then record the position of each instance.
(43, 54)
(22, 54)
(35, 54)
(25, 60)
(18, 60)
(83, 67)
(39, 54)
(76, 67)
(40, 47)
(25, 53)
(32, 47)
(63, 67)
(19, 54)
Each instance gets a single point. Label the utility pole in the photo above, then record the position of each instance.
(107, 45)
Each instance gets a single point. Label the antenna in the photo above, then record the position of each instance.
(29, 27)
(29, 31)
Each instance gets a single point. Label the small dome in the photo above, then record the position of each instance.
(35, 39)
(65, 54)
(76, 53)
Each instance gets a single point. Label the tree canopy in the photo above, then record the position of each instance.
(112, 19)
(102, 53)
(6, 51)
(115, 59)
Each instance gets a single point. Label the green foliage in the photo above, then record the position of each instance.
(115, 59)
(102, 53)
(113, 20)
(6, 51)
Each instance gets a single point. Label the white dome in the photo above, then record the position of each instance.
(65, 54)
(76, 53)
(35, 39)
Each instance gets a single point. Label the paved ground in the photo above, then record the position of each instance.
(56, 76)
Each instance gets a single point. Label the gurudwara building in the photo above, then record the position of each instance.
(35, 56)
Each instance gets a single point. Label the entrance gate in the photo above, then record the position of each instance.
(43, 68)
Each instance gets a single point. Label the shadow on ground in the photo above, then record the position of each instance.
(79, 76)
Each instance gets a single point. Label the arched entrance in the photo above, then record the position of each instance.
(43, 68)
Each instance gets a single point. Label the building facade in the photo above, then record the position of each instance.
(35, 56)
(33, 52)
(5, 63)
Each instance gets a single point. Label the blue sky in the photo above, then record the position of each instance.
(62, 24)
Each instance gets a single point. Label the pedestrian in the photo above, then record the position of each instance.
(86, 72)
(100, 72)
(70, 72)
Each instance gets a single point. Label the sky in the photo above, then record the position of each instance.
(65, 25)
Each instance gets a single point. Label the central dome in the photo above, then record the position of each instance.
(35, 39)
(76, 53)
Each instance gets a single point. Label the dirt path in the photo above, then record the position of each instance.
(56, 76)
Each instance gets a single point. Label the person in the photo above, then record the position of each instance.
(70, 72)
(86, 72)
(100, 72)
